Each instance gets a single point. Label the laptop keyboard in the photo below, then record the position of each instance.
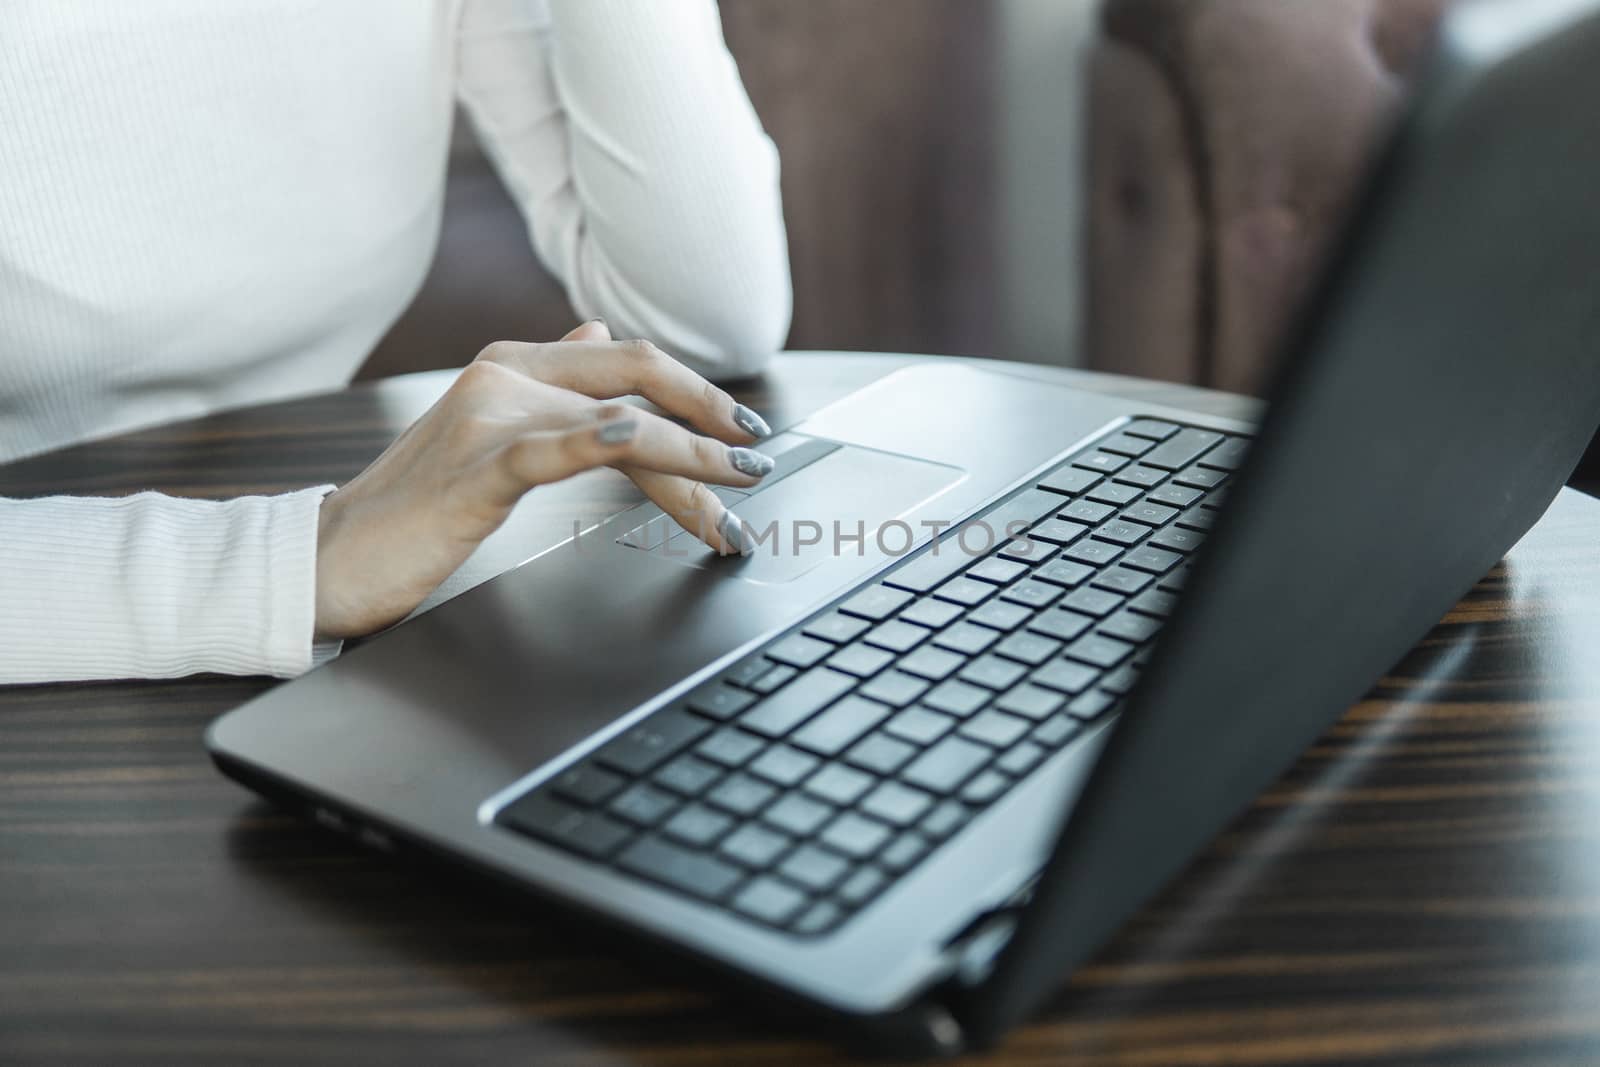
(800, 783)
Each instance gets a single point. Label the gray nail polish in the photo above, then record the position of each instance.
(750, 422)
(749, 461)
(614, 433)
(731, 527)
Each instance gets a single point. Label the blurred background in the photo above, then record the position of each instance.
(930, 173)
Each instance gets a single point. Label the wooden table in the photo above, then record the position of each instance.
(1422, 887)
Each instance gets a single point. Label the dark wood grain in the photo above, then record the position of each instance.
(1422, 887)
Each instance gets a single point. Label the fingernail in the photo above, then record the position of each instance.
(614, 433)
(731, 527)
(750, 422)
(749, 461)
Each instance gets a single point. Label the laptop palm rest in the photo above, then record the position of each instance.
(835, 500)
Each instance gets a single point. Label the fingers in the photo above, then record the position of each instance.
(540, 457)
(695, 508)
(592, 364)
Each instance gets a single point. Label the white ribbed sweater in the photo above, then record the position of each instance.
(205, 204)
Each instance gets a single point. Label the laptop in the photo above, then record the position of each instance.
(1008, 654)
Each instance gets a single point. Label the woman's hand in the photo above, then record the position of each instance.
(519, 416)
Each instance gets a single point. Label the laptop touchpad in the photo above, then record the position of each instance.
(832, 501)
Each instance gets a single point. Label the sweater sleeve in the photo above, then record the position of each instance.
(624, 133)
(151, 586)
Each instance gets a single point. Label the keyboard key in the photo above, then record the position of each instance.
(1088, 512)
(1142, 476)
(1121, 681)
(992, 672)
(770, 901)
(1228, 455)
(690, 872)
(1154, 429)
(1065, 676)
(946, 818)
(1102, 462)
(1174, 582)
(876, 602)
(1069, 481)
(783, 765)
(1115, 493)
(1009, 520)
(823, 916)
(1153, 560)
(881, 754)
(1126, 445)
(1101, 651)
(1201, 478)
(1201, 519)
(731, 748)
(896, 804)
(1061, 624)
(895, 689)
(862, 887)
(943, 768)
(588, 833)
(995, 729)
(1123, 580)
(775, 679)
(688, 775)
(747, 670)
(1021, 758)
(986, 788)
(1150, 514)
(967, 639)
(840, 726)
(934, 614)
(1027, 551)
(1057, 730)
(1092, 705)
(1154, 603)
(796, 702)
(1215, 499)
(800, 651)
(587, 785)
(1030, 648)
(719, 701)
(1178, 540)
(643, 804)
(1095, 553)
(1127, 626)
(837, 628)
(838, 784)
(896, 636)
(817, 869)
(1058, 531)
(1000, 615)
(922, 726)
(754, 846)
(741, 794)
(854, 835)
(1175, 496)
(1064, 572)
(697, 826)
(1030, 701)
(1122, 533)
(904, 852)
(1033, 594)
(861, 660)
(1096, 602)
(1182, 449)
(966, 591)
(934, 664)
(997, 571)
(654, 741)
(929, 570)
(957, 698)
(797, 814)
